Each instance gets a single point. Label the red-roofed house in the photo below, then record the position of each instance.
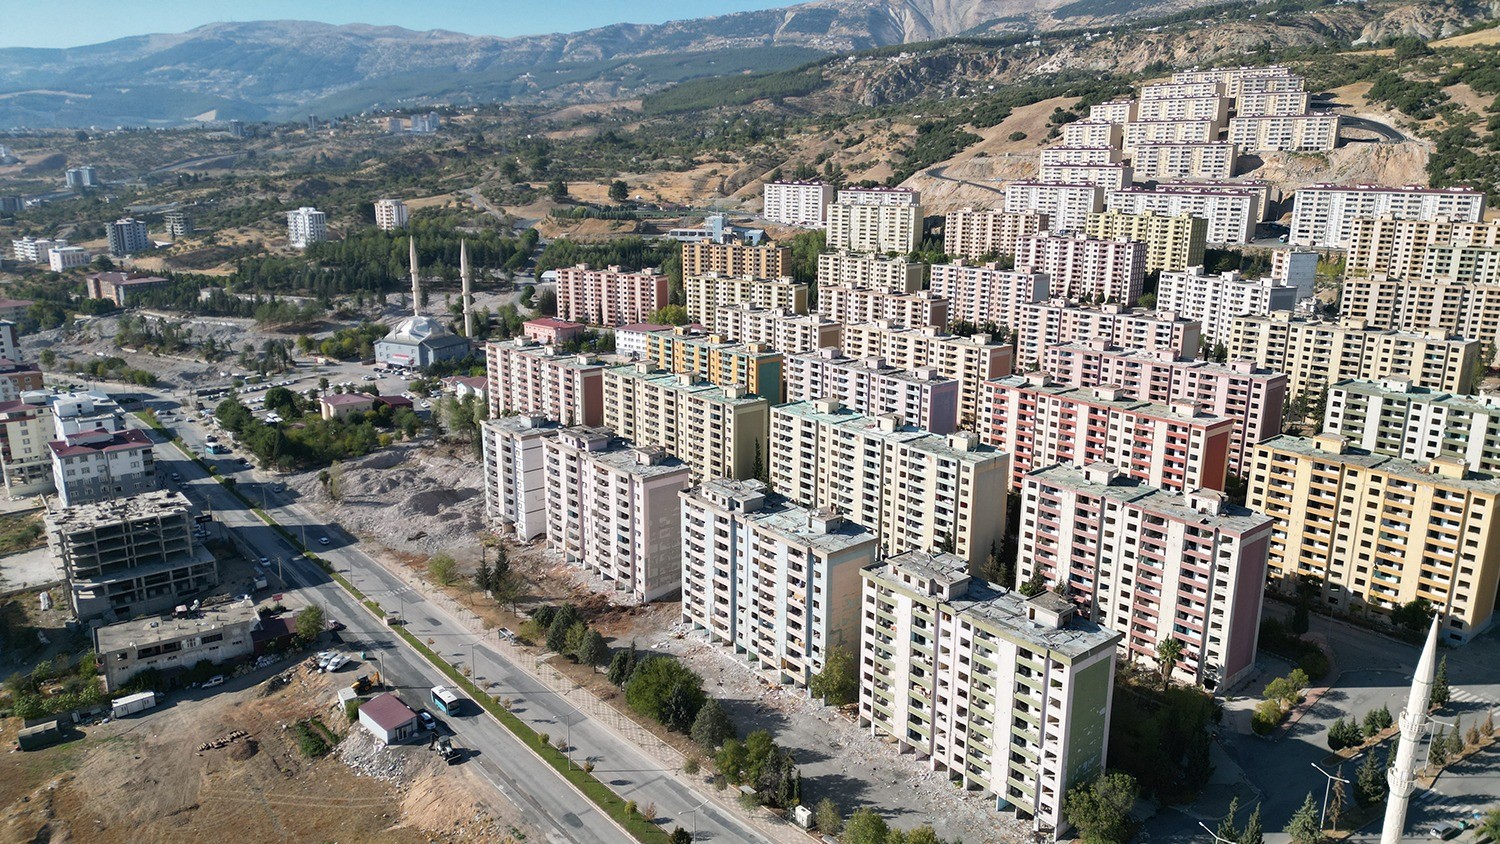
(464, 386)
(388, 718)
(395, 402)
(339, 405)
(97, 465)
(552, 331)
(119, 287)
(17, 378)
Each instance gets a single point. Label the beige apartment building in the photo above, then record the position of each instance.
(1471, 311)
(1397, 248)
(1106, 176)
(861, 227)
(1376, 532)
(1063, 322)
(1172, 243)
(1204, 160)
(26, 426)
(1114, 111)
(786, 332)
(1302, 132)
(1181, 107)
(717, 431)
(777, 582)
(803, 204)
(870, 272)
(609, 296)
(977, 234)
(1273, 103)
(916, 490)
(922, 398)
(735, 259)
(970, 360)
(1177, 90)
(988, 295)
(515, 489)
(529, 379)
(1315, 354)
(705, 294)
(1065, 154)
(1231, 212)
(1169, 131)
(850, 305)
(1237, 80)
(1091, 133)
(709, 357)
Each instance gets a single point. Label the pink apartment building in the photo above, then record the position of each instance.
(1086, 267)
(922, 398)
(609, 296)
(551, 331)
(1062, 322)
(529, 379)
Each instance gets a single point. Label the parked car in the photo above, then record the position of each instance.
(428, 722)
(1445, 831)
(322, 540)
(216, 680)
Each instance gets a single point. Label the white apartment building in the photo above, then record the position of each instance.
(905, 197)
(1211, 107)
(1263, 84)
(390, 214)
(717, 431)
(802, 204)
(869, 272)
(1064, 154)
(1208, 160)
(850, 305)
(529, 379)
(916, 490)
(922, 398)
(101, 465)
(1309, 132)
(306, 226)
(1393, 416)
(1231, 213)
(707, 293)
(1236, 80)
(1091, 133)
(1114, 111)
(1186, 566)
(1176, 90)
(1009, 695)
(1067, 206)
(1064, 322)
(975, 234)
(1085, 267)
(988, 295)
(1273, 103)
(1265, 193)
(1106, 176)
(777, 582)
(1296, 267)
(780, 329)
(1178, 131)
(62, 258)
(34, 250)
(515, 492)
(613, 511)
(864, 227)
(1398, 247)
(1215, 299)
(970, 360)
(1324, 214)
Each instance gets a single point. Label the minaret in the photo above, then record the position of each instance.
(463, 272)
(416, 281)
(1402, 774)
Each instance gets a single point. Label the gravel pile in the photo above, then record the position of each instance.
(368, 757)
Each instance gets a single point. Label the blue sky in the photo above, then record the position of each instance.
(70, 23)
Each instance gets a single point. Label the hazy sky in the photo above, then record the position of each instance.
(70, 23)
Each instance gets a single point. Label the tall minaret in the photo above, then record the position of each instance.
(416, 281)
(1402, 774)
(463, 272)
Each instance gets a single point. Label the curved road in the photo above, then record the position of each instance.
(940, 173)
(1388, 134)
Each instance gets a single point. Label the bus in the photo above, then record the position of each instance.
(446, 700)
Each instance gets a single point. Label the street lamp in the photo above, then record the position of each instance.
(1323, 818)
(1215, 835)
(1431, 723)
(694, 812)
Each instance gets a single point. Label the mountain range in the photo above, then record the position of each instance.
(284, 69)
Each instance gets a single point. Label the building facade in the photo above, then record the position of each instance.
(717, 431)
(528, 379)
(968, 233)
(1066, 206)
(306, 226)
(1231, 213)
(1301, 132)
(969, 360)
(803, 204)
(391, 214)
(1063, 322)
(610, 296)
(1324, 214)
(862, 227)
(102, 465)
(1172, 243)
(786, 332)
(850, 305)
(921, 398)
(1216, 299)
(515, 492)
(180, 641)
(1206, 160)
(709, 357)
(707, 293)
(127, 236)
(1085, 267)
(870, 272)
(989, 295)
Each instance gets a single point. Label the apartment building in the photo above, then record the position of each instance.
(1461, 264)
(1114, 111)
(127, 236)
(1237, 80)
(17, 378)
(630, 340)
(1065, 154)
(777, 582)
(64, 258)
(1173, 131)
(102, 465)
(1315, 354)
(1274, 103)
(551, 331)
(1091, 133)
(1301, 132)
(870, 272)
(1324, 214)
(1040, 421)
(880, 196)
(1172, 243)
(1262, 84)
(1254, 399)
(864, 227)
(1175, 90)
(304, 226)
(1106, 176)
(391, 214)
(218, 634)
(1066, 206)
(34, 250)
(1398, 247)
(851, 304)
(988, 295)
(612, 510)
(707, 293)
(719, 432)
(802, 204)
(1231, 212)
(1395, 417)
(916, 490)
(970, 360)
(1215, 299)
(922, 398)
(1085, 267)
(130, 556)
(529, 379)
(122, 287)
(1298, 268)
(515, 492)
(609, 296)
(1471, 311)
(1185, 566)
(26, 426)
(968, 233)
(735, 259)
(1202, 160)
(1063, 322)
(1264, 193)
(1008, 695)
(786, 332)
(711, 358)
(1183, 108)
(1376, 532)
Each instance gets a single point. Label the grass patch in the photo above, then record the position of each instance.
(311, 739)
(21, 532)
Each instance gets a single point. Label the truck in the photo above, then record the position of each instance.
(131, 704)
(260, 581)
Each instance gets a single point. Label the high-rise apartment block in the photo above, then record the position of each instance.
(905, 197)
(1066, 206)
(707, 293)
(82, 177)
(390, 214)
(1310, 132)
(1253, 398)
(709, 357)
(1274, 103)
(306, 226)
(1168, 131)
(1395, 417)
(1172, 243)
(1153, 564)
(970, 360)
(1298, 268)
(1065, 154)
(515, 489)
(1010, 695)
(786, 332)
(127, 236)
(1039, 422)
(1091, 133)
(777, 582)
(178, 223)
(717, 431)
(1205, 160)
(1181, 107)
(916, 490)
(34, 250)
(870, 272)
(850, 305)
(1314, 354)
(609, 296)
(99, 465)
(1386, 245)
(1237, 80)
(1176, 90)
(1063, 322)
(1217, 299)
(866, 227)
(534, 380)
(1114, 111)
(735, 259)
(1231, 212)
(1085, 267)
(988, 295)
(1324, 215)
(921, 398)
(1471, 311)
(803, 204)
(1107, 176)
(977, 234)
(613, 510)
(1376, 532)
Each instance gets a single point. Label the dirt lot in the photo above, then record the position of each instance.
(145, 779)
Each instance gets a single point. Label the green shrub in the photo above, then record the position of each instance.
(1266, 716)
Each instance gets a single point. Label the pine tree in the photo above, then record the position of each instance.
(483, 576)
(1304, 827)
(1456, 740)
(1227, 830)
(1440, 690)
(1438, 748)
(1370, 784)
(1253, 834)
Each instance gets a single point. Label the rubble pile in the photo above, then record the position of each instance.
(220, 743)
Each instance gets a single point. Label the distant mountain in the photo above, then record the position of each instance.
(283, 69)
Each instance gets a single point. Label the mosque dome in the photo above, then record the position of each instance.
(417, 329)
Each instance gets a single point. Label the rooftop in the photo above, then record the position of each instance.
(158, 502)
(140, 632)
(1441, 472)
(126, 278)
(818, 530)
(388, 711)
(958, 446)
(553, 322)
(342, 399)
(1106, 395)
(99, 442)
(682, 384)
(1100, 480)
(1403, 390)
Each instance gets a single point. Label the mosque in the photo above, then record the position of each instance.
(420, 340)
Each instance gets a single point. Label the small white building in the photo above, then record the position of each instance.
(388, 718)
